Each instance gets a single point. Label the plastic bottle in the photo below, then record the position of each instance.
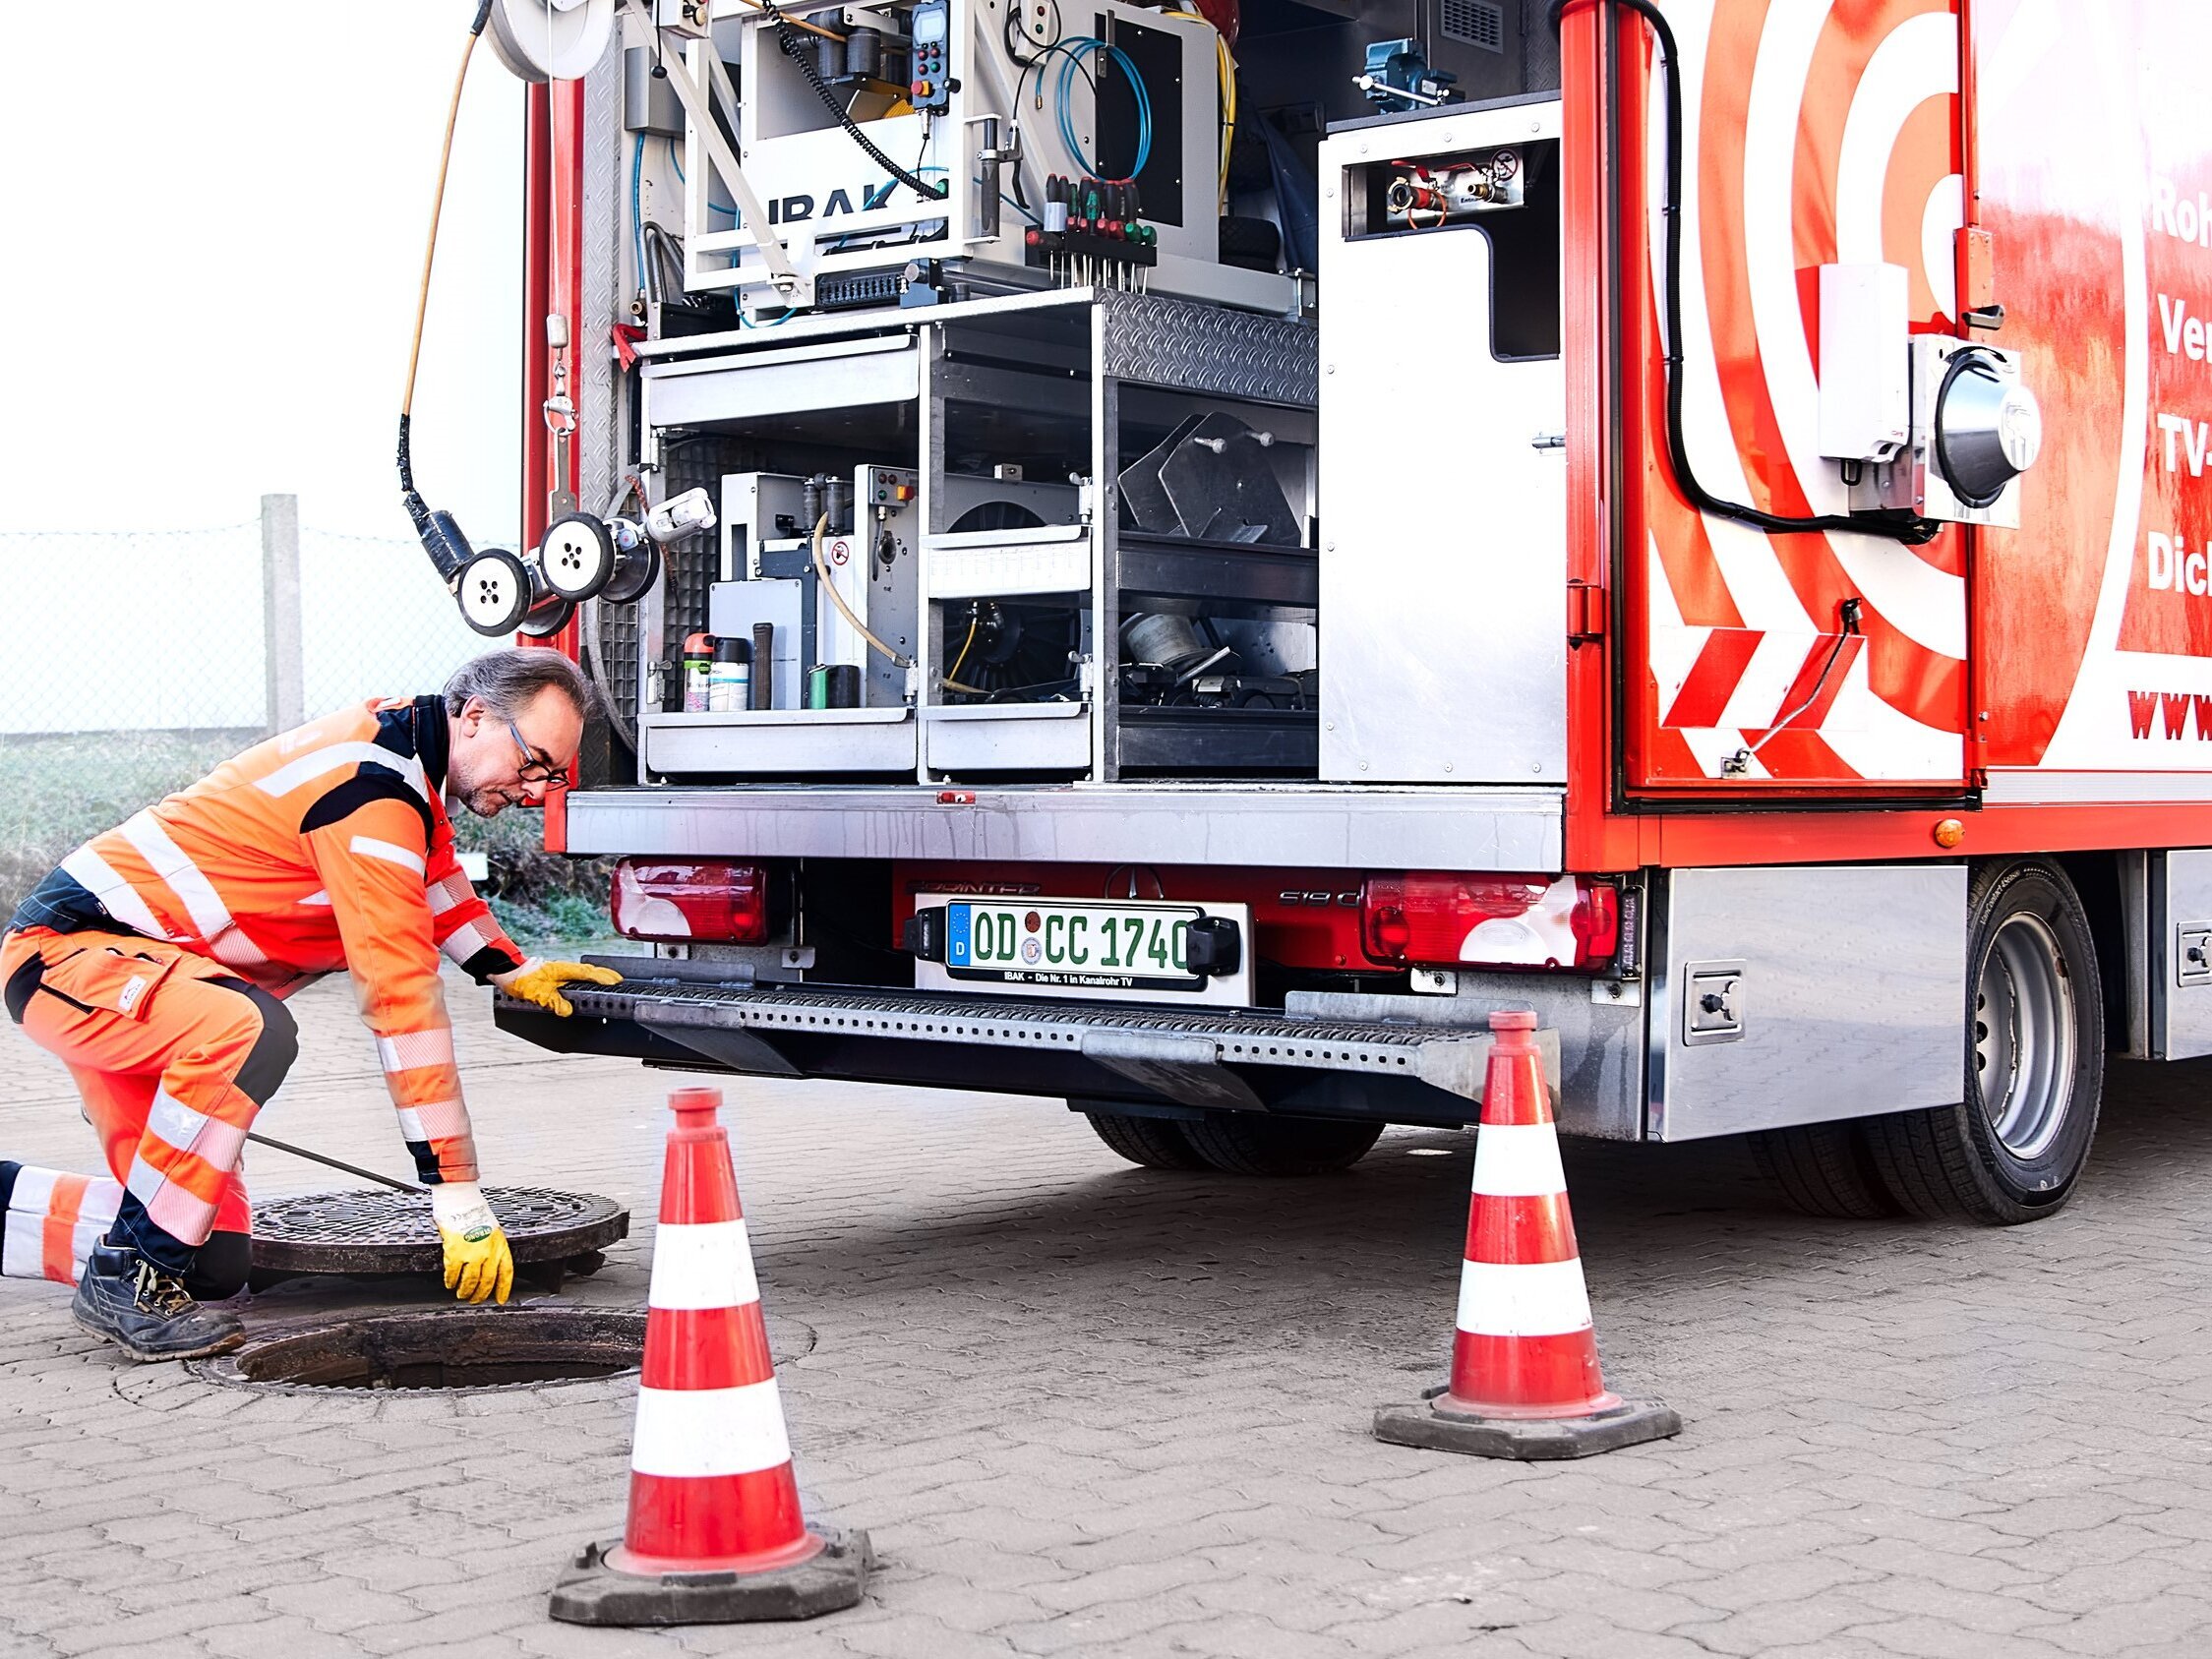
(730, 678)
(698, 662)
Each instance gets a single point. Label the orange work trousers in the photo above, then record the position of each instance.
(173, 1055)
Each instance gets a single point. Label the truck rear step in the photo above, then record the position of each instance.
(1129, 1054)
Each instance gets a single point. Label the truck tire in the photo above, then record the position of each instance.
(2035, 1066)
(1156, 1143)
(1823, 1169)
(1250, 1144)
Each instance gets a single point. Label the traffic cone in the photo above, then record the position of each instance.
(714, 1534)
(1524, 1380)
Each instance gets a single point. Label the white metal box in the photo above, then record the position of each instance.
(1866, 386)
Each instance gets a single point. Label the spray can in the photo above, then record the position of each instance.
(698, 664)
(728, 685)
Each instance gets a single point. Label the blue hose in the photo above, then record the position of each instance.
(1072, 53)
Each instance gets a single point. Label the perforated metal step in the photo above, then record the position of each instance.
(1188, 1055)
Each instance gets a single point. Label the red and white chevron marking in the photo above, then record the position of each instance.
(1751, 679)
(711, 1487)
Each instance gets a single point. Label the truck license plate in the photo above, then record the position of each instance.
(1057, 947)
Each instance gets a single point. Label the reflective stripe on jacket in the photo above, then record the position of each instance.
(324, 847)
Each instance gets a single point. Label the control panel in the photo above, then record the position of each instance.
(931, 87)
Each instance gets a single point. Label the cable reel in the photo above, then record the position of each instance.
(541, 40)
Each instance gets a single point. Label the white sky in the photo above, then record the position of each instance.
(214, 229)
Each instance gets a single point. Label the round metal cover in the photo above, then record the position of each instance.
(376, 1231)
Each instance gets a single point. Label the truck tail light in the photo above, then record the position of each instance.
(1432, 920)
(708, 899)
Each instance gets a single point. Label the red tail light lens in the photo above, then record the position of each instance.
(702, 899)
(1430, 920)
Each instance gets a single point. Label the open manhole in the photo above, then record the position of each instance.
(379, 1231)
(471, 1348)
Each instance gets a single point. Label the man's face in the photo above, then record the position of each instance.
(490, 756)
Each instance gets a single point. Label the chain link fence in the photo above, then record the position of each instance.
(162, 652)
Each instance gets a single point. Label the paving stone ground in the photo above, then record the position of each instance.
(1087, 1409)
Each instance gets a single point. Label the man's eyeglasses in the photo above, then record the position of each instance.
(537, 768)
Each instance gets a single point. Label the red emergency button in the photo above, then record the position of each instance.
(920, 89)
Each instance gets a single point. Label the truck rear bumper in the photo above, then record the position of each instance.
(1132, 1055)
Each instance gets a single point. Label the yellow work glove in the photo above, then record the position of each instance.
(478, 1263)
(541, 981)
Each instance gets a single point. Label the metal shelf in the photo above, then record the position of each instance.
(1273, 578)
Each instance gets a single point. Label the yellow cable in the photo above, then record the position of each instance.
(1224, 68)
(822, 570)
(437, 208)
(974, 622)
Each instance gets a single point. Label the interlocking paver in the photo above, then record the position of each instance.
(1100, 1411)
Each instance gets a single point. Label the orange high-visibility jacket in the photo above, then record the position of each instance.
(325, 847)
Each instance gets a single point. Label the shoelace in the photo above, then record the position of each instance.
(159, 1292)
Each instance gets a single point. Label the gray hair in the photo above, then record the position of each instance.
(509, 680)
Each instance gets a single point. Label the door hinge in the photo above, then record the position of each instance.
(1585, 612)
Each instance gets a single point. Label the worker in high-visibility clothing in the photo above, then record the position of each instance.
(154, 959)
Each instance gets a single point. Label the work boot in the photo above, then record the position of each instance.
(147, 1312)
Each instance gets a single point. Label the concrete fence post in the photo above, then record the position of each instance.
(284, 659)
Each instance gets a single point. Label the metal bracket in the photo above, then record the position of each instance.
(695, 106)
(1585, 612)
(1187, 1070)
(725, 1046)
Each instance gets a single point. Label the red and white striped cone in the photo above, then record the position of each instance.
(1525, 1379)
(715, 1534)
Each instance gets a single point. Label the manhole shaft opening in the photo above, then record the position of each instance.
(458, 1350)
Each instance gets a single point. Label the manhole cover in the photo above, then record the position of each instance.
(379, 1231)
(458, 1348)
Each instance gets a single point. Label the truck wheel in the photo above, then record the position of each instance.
(1248, 1144)
(1823, 1169)
(2035, 1069)
(1156, 1143)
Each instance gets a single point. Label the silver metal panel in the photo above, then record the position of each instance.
(1206, 348)
(606, 187)
(1007, 737)
(1852, 995)
(1317, 827)
(781, 742)
(982, 563)
(1444, 552)
(1596, 1066)
(2180, 989)
(690, 394)
(2027, 785)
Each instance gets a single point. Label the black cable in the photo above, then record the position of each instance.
(1911, 531)
(795, 49)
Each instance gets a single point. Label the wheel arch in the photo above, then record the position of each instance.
(2096, 877)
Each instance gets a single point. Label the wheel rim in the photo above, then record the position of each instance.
(2024, 1036)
